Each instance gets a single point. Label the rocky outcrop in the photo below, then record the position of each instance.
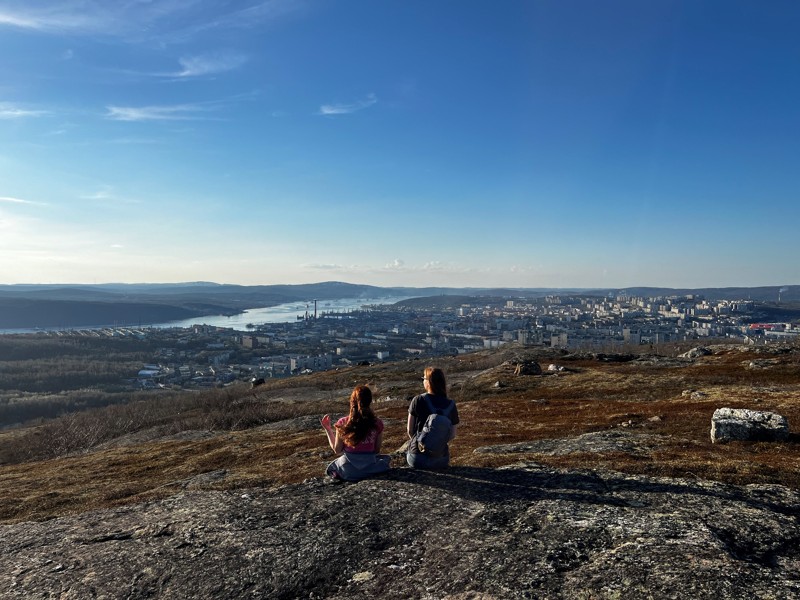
(696, 353)
(597, 442)
(521, 532)
(613, 357)
(762, 363)
(742, 424)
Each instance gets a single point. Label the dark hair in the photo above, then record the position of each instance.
(362, 419)
(435, 377)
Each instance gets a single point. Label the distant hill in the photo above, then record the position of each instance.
(18, 313)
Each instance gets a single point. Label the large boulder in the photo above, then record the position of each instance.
(527, 367)
(696, 352)
(729, 424)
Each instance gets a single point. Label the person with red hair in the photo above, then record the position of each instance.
(358, 438)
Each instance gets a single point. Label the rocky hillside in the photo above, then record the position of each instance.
(594, 480)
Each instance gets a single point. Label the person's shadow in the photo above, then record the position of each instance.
(533, 482)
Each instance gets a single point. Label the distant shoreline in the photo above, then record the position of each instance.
(286, 312)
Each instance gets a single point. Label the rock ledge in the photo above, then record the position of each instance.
(522, 532)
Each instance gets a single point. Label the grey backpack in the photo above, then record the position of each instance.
(435, 434)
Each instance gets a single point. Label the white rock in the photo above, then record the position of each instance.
(729, 424)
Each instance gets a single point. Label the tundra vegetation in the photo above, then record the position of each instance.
(267, 436)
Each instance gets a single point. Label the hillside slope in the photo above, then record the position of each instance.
(596, 481)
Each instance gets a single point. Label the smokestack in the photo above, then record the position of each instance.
(315, 310)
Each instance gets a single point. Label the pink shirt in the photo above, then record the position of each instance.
(368, 443)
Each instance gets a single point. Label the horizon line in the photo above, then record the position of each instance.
(445, 287)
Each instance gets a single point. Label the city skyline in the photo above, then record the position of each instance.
(451, 144)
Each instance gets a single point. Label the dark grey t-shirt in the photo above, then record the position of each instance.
(419, 408)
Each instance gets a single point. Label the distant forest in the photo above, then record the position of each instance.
(45, 377)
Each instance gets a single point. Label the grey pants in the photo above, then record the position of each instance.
(352, 466)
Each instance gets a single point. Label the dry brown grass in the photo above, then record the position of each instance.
(593, 396)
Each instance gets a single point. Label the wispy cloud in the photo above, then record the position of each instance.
(12, 111)
(140, 19)
(210, 64)
(107, 194)
(521, 269)
(127, 141)
(242, 18)
(346, 109)
(396, 265)
(175, 112)
(433, 265)
(16, 20)
(64, 17)
(258, 12)
(10, 200)
(197, 66)
(325, 267)
(21, 20)
(104, 193)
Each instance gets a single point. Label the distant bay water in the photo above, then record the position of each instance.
(281, 313)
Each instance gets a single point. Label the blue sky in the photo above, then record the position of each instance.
(416, 142)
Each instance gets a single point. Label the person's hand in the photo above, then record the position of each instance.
(326, 422)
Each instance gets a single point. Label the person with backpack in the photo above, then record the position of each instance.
(432, 423)
(358, 438)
